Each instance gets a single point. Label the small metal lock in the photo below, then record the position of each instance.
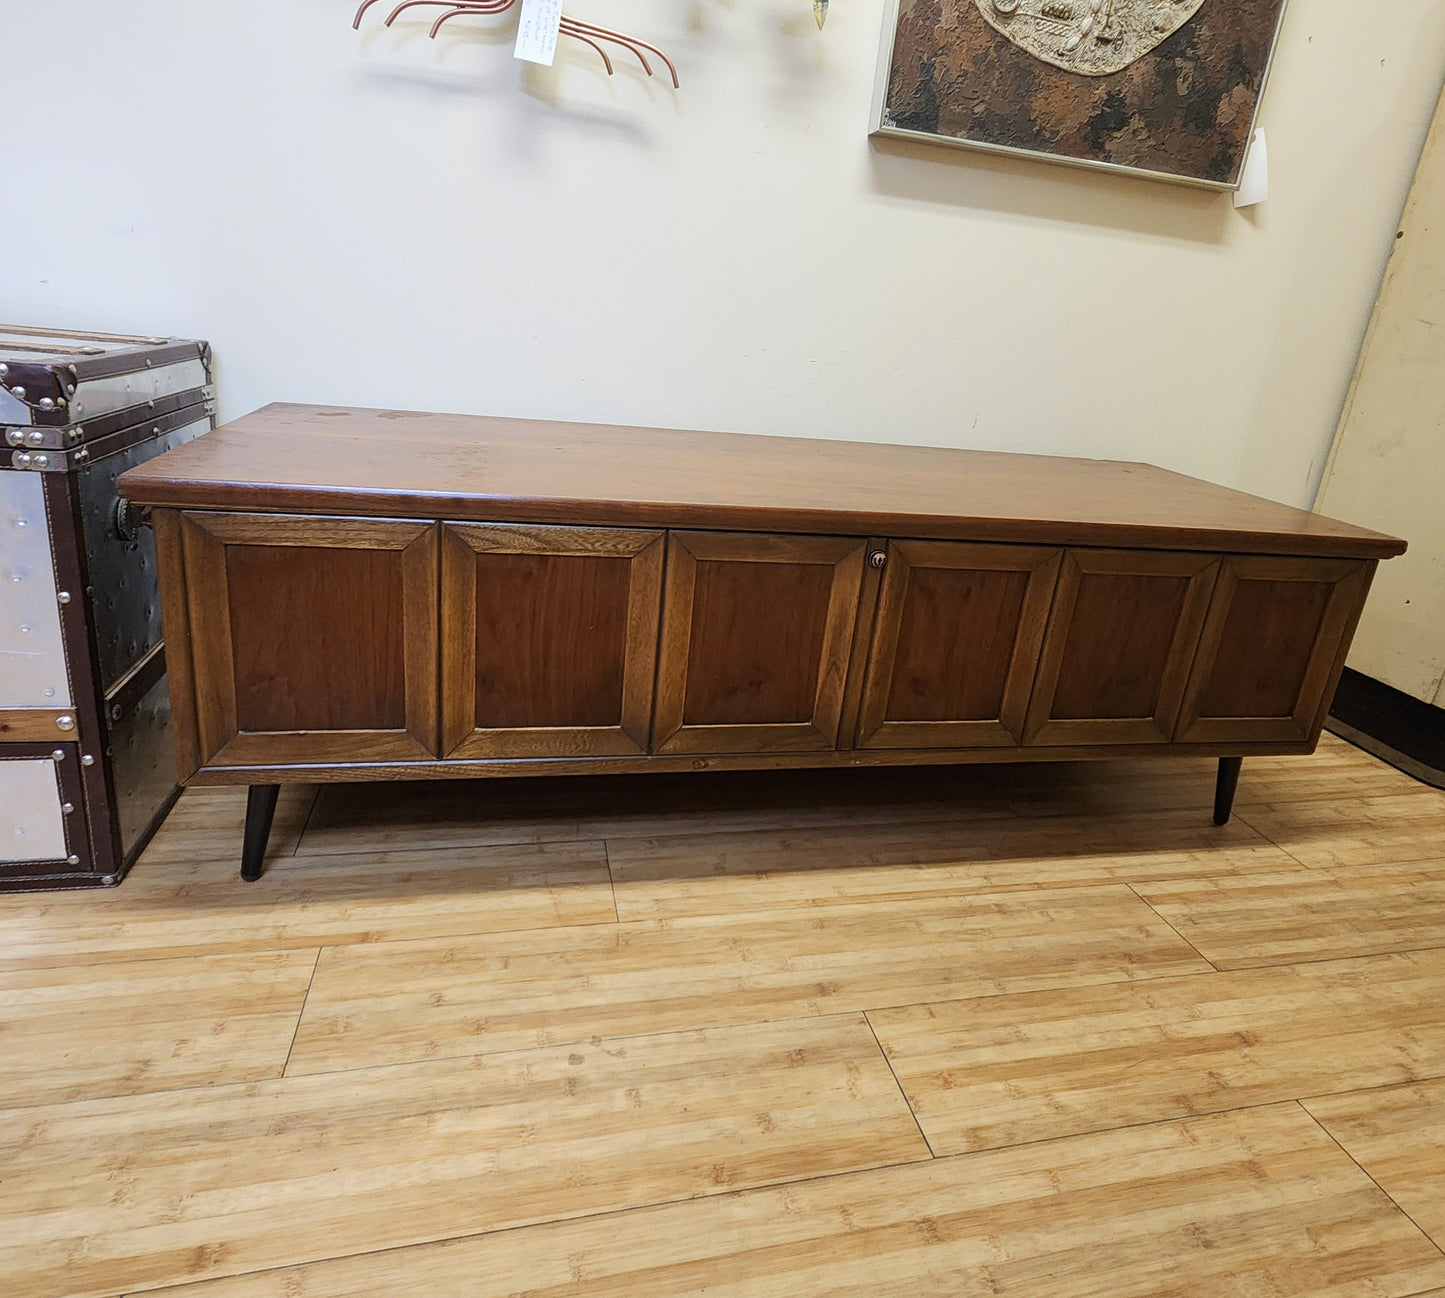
(878, 558)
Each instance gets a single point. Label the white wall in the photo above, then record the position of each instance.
(377, 219)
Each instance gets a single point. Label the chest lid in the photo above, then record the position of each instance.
(62, 379)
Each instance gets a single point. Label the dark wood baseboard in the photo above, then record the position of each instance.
(1392, 725)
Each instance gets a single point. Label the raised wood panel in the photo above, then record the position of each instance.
(956, 644)
(317, 638)
(1272, 649)
(1121, 637)
(313, 639)
(756, 636)
(736, 677)
(549, 640)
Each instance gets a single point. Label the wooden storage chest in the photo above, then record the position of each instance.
(364, 595)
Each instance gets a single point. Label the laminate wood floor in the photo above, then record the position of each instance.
(1033, 1031)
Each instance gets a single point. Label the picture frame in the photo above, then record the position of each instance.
(1167, 90)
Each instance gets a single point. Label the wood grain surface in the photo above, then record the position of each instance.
(337, 460)
(756, 633)
(1264, 919)
(956, 644)
(1363, 830)
(549, 640)
(118, 1029)
(1272, 648)
(1121, 638)
(186, 900)
(407, 1001)
(1398, 1136)
(311, 639)
(999, 1070)
(225, 1179)
(1261, 1202)
(355, 818)
(702, 874)
(661, 1002)
(33, 725)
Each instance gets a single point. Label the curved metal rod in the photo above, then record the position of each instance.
(356, 22)
(632, 41)
(408, 4)
(575, 28)
(626, 42)
(647, 45)
(586, 40)
(463, 9)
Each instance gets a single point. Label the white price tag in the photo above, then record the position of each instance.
(1254, 184)
(537, 31)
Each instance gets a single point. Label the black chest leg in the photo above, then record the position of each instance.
(1224, 788)
(260, 808)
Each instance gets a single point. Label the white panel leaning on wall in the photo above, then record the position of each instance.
(1389, 457)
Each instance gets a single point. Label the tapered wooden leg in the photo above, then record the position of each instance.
(260, 808)
(1224, 788)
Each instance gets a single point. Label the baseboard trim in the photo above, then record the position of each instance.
(1392, 725)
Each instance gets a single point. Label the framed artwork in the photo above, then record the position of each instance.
(1163, 88)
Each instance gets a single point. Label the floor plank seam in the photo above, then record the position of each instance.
(306, 820)
(28, 965)
(567, 1219)
(592, 1040)
(435, 1059)
(414, 849)
(947, 816)
(230, 953)
(901, 1091)
(1174, 930)
(934, 1155)
(1328, 959)
(1434, 862)
(611, 882)
(296, 1032)
(177, 1091)
(1390, 863)
(1438, 1248)
(1194, 1115)
(961, 900)
(727, 1025)
(1244, 817)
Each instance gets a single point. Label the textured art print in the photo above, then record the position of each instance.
(1166, 87)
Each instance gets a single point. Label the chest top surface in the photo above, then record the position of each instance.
(332, 460)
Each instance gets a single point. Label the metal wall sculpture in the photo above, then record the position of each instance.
(1165, 88)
